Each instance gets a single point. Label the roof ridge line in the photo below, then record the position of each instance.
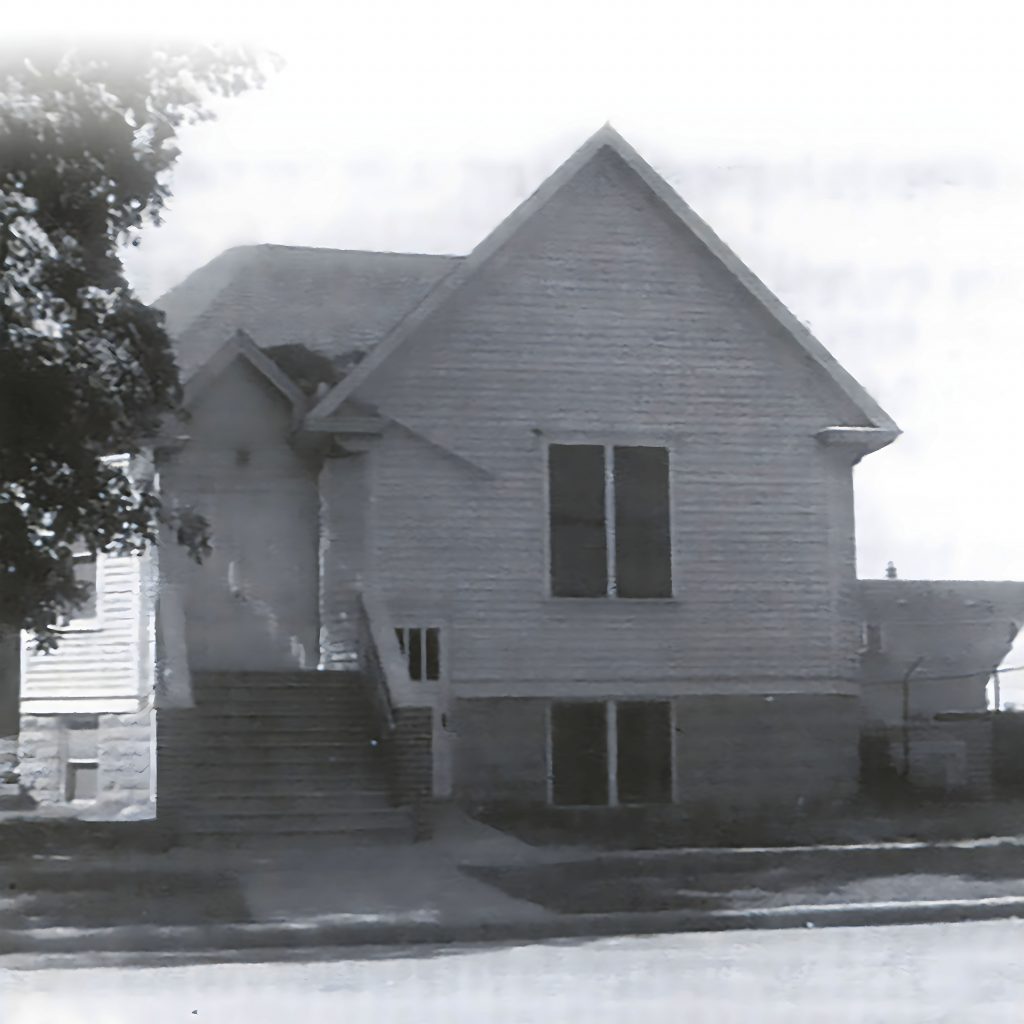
(353, 252)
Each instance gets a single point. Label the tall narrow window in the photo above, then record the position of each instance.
(609, 521)
(579, 753)
(643, 559)
(579, 542)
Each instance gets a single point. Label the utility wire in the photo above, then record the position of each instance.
(936, 679)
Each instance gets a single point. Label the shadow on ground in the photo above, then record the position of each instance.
(100, 897)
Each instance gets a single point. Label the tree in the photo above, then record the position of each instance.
(87, 143)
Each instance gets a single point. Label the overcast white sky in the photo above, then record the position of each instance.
(867, 160)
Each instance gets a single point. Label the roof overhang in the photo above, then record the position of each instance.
(861, 440)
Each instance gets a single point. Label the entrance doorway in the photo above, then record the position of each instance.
(608, 753)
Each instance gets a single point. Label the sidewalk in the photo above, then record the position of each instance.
(472, 883)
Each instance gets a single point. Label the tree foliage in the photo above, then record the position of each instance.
(87, 143)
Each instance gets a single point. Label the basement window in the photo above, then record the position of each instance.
(82, 781)
(80, 741)
(421, 646)
(608, 521)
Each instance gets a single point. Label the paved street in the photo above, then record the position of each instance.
(893, 975)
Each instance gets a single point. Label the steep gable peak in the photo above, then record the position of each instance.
(241, 346)
(607, 140)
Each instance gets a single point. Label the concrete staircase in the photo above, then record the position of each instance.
(276, 754)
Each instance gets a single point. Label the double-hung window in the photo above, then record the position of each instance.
(608, 521)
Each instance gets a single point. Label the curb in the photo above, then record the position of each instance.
(261, 941)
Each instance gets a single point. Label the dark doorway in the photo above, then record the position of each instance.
(645, 752)
(579, 753)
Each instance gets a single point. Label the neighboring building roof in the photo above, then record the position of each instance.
(332, 301)
(949, 627)
(608, 139)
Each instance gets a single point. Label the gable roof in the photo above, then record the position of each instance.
(241, 346)
(333, 301)
(608, 138)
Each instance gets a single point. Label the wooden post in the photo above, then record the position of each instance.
(906, 718)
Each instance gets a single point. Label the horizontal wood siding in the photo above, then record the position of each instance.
(101, 662)
(603, 321)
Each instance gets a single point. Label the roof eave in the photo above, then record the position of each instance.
(862, 440)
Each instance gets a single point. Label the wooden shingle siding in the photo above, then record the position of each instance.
(602, 320)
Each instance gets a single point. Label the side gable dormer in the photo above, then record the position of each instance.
(241, 347)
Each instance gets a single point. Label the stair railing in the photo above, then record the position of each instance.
(385, 669)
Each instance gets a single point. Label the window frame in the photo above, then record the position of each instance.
(571, 439)
(92, 623)
(442, 656)
(611, 705)
(71, 766)
(872, 638)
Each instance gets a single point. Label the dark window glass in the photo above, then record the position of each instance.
(415, 654)
(579, 753)
(433, 653)
(643, 563)
(579, 560)
(644, 761)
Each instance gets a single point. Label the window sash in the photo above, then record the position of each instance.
(421, 648)
(609, 521)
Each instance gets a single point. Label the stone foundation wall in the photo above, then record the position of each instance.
(119, 745)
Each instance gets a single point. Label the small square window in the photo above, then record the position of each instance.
(82, 781)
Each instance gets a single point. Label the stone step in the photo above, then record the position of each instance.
(332, 777)
(389, 819)
(298, 698)
(300, 802)
(334, 731)
(286, 713)
(282, 687)
(285, 718)
(298, 677)
(270, 742)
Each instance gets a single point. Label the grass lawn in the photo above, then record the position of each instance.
(708, 880)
